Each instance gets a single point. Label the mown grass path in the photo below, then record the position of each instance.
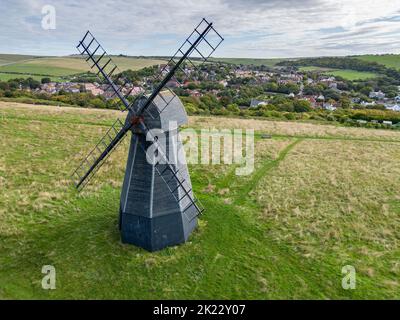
(282, 273)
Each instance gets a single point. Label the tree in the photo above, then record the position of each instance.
(366, 90)
(345, 102)
(302, 106)
(233, 108)
(45, 80)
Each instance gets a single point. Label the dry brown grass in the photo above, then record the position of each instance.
(293, 128)
(337, 199)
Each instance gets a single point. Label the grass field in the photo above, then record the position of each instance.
(9, 76)
(56, 67)
(321, 197)
(248, 61)
(352, 74)
(346, 74)
(389, 60)
(13, 58)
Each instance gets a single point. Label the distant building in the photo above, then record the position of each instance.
(377, 94)
(395, 107)
(365, 104)
(311, 99)
(173, 84)
(329, 106)
(93, 88)
(223, 82)
(255, 103)
(195, 93)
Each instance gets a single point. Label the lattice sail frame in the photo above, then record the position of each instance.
(96, 56)
(201, 43)
(202, 51)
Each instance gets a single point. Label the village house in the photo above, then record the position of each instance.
(377, 95)
(93, 88)
(195, 93)
(243, 73)
(311, 99)
(173, 83)
(328, 106)
(395, 107)
(50, 87)
(366, 104)
(255, 103)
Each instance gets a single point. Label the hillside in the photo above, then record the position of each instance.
(344, 73)
(56, 67)
(320, 197)
(13, 58)
(388, 60)
(250, 61)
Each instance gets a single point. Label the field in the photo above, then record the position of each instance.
(248, 61)
(10, 76)
(56, 67)
(320, 197)
(389, 60)
(346, 74)
(13, 58)
(352, 74)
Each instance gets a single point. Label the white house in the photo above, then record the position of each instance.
(377, 94)
(329, 106)
(255, 103)
(395, 107)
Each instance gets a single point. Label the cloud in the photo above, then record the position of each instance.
(253, 28)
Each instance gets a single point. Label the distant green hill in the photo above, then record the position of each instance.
(20, 66)
(250, 61)
(389, 60)
(23, 66)
(13, 58)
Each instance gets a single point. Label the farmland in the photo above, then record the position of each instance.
(321, 197)
(13, 58)
(250, 61)
(344, 73)
(56, 67)
(388, 60)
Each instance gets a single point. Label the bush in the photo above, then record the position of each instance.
(302, 106)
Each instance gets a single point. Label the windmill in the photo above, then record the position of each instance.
(157, 206)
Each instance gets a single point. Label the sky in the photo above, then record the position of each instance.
(251, 28)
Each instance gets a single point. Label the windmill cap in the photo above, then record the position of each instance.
(166, 112)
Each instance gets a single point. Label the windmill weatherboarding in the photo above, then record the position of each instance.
(157, 206)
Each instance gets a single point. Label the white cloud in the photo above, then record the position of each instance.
(253, 28)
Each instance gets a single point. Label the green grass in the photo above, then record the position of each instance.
(13, 58)
(9, 76)
(15, 66)
(35, 67)
(352, 74)
(312, 68)
(249, 61)
(344, 73)
(389, 60)
(311, 206)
